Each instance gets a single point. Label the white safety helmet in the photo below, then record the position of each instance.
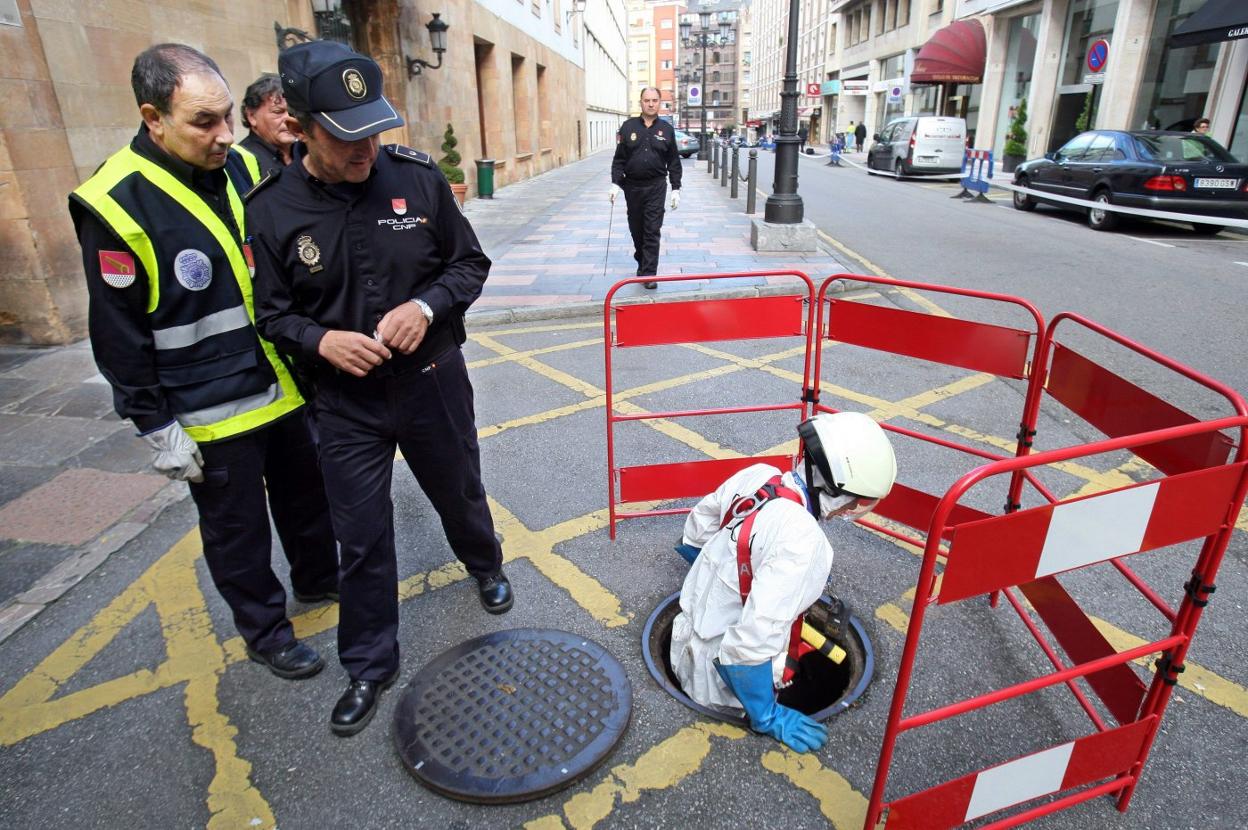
(848, 456)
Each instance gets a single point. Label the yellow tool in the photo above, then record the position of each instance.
(822, 644)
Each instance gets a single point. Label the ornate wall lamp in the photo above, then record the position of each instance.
(437, 35)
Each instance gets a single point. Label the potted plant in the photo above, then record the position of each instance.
(449, 164)
(1016, 140)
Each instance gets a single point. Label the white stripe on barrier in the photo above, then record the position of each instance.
(1018, 781)
(1096, 529)
(1197, 218)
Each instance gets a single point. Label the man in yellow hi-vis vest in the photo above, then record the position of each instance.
(171, 322)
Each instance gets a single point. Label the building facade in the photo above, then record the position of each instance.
(652, 39)
(720, 60)
(606, 71)
(511, 83)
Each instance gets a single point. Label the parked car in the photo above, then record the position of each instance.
(919, 144)
(686, 144)
(1155, 169)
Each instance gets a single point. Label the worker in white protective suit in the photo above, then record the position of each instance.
(759, 560)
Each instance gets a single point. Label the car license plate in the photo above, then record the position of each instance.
(1222, 183)
(926, 159)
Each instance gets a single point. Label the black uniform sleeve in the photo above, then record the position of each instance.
(674, 169)
(467, 266)
(278, 319)
(120, 330)
(618, 160)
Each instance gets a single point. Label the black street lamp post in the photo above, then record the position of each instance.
(703, 40)
(784, 206)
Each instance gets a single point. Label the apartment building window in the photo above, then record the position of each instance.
(903, 13)
(665, 23)
(879, 23)
(666, 64)
(714, 57)
(832, 38)
(890, 14)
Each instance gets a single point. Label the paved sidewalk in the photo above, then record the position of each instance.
(548, 237)
(75, 485)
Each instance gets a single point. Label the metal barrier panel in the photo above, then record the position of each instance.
(1072, 534)
(704, 321)
(1116, 407)
(980, 347)
(686, 322)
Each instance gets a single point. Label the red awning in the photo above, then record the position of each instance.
(955, 54)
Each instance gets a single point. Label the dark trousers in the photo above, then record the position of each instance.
(234, 525)
(645, 222)
(428, 413)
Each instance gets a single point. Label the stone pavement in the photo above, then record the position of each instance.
(75, 485)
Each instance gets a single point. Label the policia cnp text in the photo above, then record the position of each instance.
(646, 156)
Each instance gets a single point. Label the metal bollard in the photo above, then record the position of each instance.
(735, 174)
(723, 168)
(710, 155)
(715, 163)
(751, 183)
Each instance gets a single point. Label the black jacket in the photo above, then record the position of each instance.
(341, 256)
(644, 153)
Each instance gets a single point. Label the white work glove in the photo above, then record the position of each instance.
(615, 191)
(177, 454)
(675, 199)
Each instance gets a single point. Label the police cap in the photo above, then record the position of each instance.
(340, 88)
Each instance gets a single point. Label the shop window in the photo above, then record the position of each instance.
(1174, 83)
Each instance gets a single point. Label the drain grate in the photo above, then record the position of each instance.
(513, 715)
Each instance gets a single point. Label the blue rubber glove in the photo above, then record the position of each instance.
(752, 686)
(687, 552)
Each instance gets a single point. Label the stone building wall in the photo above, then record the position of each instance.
(66, 105)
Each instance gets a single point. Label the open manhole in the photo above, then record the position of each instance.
(822, 688)
(512, 716)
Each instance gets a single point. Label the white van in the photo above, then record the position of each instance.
(918, 145)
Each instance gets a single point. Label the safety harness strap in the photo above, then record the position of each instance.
(749, 506)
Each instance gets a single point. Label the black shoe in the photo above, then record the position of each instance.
(357, 705)
(293, 662)
(313, 596)
(495, 593)
(649, 285)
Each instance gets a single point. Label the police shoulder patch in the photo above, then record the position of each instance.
(408, 154)
(261, 185)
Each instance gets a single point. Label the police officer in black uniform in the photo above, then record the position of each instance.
(161, 229)
(364, 269)
(646, 156)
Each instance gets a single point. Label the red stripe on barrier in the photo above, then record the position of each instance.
(1004, 551)
(1117, 407)
(980, 347)
(1118, 687)
(1191, 505)
(687, 479)
(914, 508)
(709, 320)
(994, 553)
(1092, 758)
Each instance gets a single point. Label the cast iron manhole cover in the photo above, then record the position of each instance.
(513, 715)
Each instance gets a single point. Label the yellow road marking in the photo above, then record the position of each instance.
(194, 657)
(660, 767)
(914, 296)
(513, 356)
(473, 335)
(839, 802)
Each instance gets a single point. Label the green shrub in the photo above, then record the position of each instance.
(449, 163)
(1016, 138)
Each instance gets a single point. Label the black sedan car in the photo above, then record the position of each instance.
(1154, 169)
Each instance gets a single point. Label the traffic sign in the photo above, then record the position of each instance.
(894, 94)
(1098, 55)
(813, 90)
(695, 95)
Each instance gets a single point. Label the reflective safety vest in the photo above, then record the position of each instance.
(243, 167)
(218, 376)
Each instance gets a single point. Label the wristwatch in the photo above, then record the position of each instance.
(424, 306)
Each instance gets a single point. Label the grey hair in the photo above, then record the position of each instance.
(646, 89)
(159, 69)
(261, 90)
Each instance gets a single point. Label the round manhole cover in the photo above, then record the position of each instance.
(512, 716)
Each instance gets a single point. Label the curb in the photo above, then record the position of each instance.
(592, 308)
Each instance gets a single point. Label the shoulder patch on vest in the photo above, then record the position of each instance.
(408, 154)
(261, 185)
